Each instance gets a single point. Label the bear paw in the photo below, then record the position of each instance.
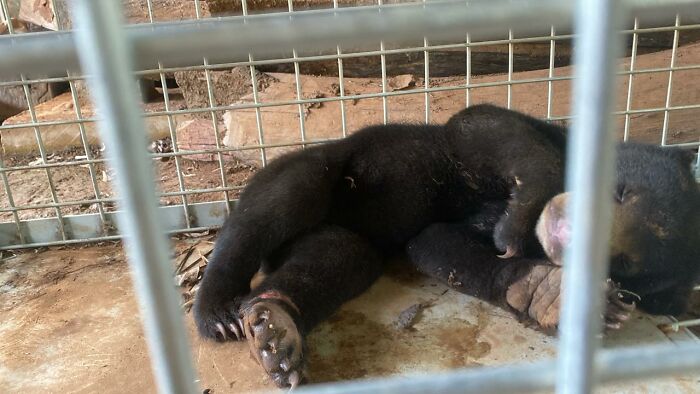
(538, 295)
(218, 321)
(275, 341)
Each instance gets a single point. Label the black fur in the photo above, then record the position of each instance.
(323, 219)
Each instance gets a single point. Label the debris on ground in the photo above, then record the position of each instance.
(163, 145)
(402, 82)
(451, 280)
(50, 158)
(191, 264)
(410, 316)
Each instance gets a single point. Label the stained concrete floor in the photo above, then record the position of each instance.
(70, 325)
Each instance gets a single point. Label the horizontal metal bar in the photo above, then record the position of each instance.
(187, 192)
(363, 96)
(612, 365)
(269, 35)
(88, 227)
(108, 238)
(369, 95)
(350, 54)
(187, 43)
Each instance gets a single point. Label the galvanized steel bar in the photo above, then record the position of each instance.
(88, 152)
(669, 88)
(630, 80)
(550, 72)
(187, 42)
(589, 176)
(106, 55)
(468, 72)
(509, 93)
(341, 85)
(382, 60)
(254, 82)
(642, 362)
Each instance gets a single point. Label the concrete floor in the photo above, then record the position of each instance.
(70, 325)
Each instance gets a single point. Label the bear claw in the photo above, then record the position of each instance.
(510, 252)
(617, 311)
(538, 295)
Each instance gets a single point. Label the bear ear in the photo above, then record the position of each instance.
(684, 156)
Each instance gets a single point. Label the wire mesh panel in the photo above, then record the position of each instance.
(213, 122)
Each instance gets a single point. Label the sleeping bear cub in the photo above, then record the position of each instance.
(480, 197)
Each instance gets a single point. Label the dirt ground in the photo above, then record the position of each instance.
(70, 325)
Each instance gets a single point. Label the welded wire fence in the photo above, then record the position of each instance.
(39, 207)
(54, 217)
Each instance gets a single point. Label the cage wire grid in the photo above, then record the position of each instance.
(54, 230)
(62, 229)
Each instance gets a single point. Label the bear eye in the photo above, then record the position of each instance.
(621, 193)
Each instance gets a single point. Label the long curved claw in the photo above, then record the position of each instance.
(235, 330)
(294, 379)
(220, 328)
(240, 324)
(510, 252)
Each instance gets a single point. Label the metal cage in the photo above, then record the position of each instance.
(106, 54)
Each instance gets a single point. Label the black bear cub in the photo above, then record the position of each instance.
(474, 197)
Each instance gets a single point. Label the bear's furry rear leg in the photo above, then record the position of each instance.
(317, 273)
(287, 198)
(454, 254)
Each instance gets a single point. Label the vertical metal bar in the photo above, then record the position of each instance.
(88, 153)
(6, 183)
(10, 199)
(254, 82)
(426, 77)
(196, 10)
(215, 124)
(590, 178)
(105, 55)
(667, 113)
(510, 68)
(426, 82)
(217, 134)
(40, 143)
(149, 6)
(550, 74)
(176, 149)
(57, 17)
(468, 77)
(7, 18)
(37, 135)
(171, 127)
(297, 83)
(630, 79)
(42, 153)
(382, 57)
(341, 85)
